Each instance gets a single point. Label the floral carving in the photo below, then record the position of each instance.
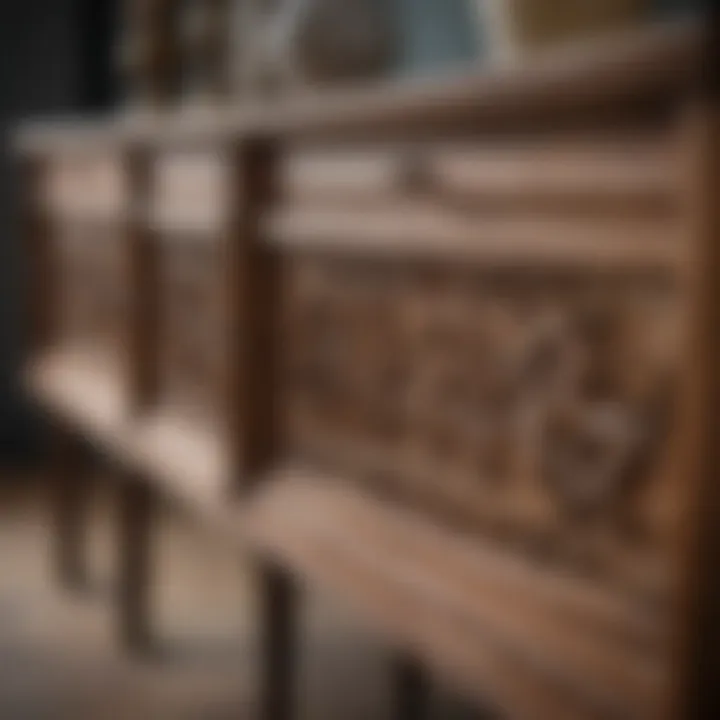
(525, 404)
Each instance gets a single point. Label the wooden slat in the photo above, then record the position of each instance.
(80, 385)
(183, 459)
(253, 280)
(413, 230)
(376, 556)
(365, 173)
(465, 506)
(180, 453)
(633, 173)
(630, 174)
(193, 218)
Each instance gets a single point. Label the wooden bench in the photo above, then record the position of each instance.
(470, 346)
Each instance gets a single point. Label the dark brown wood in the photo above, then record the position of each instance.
(253, 294)
(279, 613)
(42, 276)
(70, 473)
(142, 325)
(411, 689)
(150, 51)
(137, 513)
(696, 656)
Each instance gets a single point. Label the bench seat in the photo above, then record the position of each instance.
(548, 646)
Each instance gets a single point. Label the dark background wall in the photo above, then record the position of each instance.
(56, 59)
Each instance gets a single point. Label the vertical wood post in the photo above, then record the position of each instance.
(696, 691)
(137, 499)
(253, 426)
(69, 460)
(70, 466)
(142, 323)
(411, 689)
(254, 304)
(151, 70)
(279, 644)
(137, 511)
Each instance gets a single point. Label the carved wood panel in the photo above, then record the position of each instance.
(93, 285)
(535, 409)
(192, 346)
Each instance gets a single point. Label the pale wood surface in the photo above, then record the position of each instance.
(424, 583)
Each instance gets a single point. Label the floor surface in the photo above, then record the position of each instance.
(59, 657)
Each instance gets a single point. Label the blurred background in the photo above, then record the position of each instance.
(80, 57)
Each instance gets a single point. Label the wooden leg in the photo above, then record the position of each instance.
(279, 610)
(411, 688)
(137, 506)
(71, 466)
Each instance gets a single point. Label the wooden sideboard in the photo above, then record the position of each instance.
(449, 350)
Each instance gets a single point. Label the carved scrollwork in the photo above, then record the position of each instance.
(191, 372)
(93, 298)
(531, 404)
